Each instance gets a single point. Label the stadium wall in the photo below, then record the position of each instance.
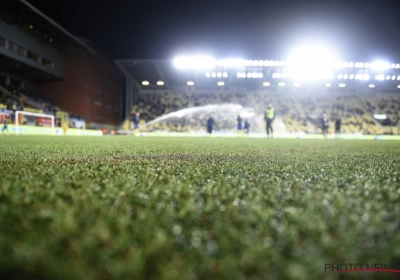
(92, 89)
(13, 34)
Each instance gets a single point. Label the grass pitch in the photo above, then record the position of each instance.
(173, 208)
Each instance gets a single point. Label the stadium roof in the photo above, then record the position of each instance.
(26, 16)
(258, 74)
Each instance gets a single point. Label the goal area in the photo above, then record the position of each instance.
(34, 119)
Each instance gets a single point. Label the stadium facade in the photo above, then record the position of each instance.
(42, 60)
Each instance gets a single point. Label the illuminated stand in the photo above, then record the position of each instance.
(17, 113)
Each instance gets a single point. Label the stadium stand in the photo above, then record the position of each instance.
(299, 112)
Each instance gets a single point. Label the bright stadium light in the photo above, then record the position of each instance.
(311, 62)
(297, 84)
(340, 76)
(225, 75)
(379, 77)
(397, 66)
(398, 78)
(266, 84)
(190, 83)
(392, 65)
(160, 83)
(195, 62)
(398, 86)
(328, 85)
(371, 86)
(145, 83)
(219, 74)
(342, 85)
(281, 84)
(213, 74)
(380, 65)
(387, 77)
(220, 84)
(345, 76)
(351, 76)
(208, 75)
(393, 77)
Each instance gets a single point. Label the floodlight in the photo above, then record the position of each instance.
(367, 65)
(266, 84)
(398, 78)
(366, 77)
(239, 75)
(371, 86)
(311, 62)
(195, 62)
(219, 74)
(160, 83)
(398, 86)
(342, 85)
(225, 75)
(380, 116)
(345, 64)
(379, 77)
(392, 65)
(361, 64)
(328, 85)
(266, 63)
(278, 75)
(397, 66)
(393, 77)
(281, 84)
(190, 83)
(351, 64)
(282, 63)
(221, 84)
(380, 65)
(351, 76)
(340, 76)
(357, 65)
(260, 75)
(145, 83)
(249, 75)
(208, 74)
(284, 76)
(387, 77)
(345, 76)
(296, 84)
(274, 75)
(213, 74)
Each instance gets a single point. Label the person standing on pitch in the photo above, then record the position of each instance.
(136, 121)
(239, 126)
(325, 125)
(5, 127)
(269, 118)
(246, 127)
(210, 125)
(338, 123)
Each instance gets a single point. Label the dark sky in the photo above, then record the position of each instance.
(250, 29)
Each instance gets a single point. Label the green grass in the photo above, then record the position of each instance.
(172, 208)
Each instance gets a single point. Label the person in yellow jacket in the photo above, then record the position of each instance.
(269, 118)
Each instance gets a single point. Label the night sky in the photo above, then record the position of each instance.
(250, 29)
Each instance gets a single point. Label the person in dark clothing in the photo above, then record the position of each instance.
(246, 127)
(325, 125)
(136, 120)
(338, 123)
(239, 126)
(5, 127)
(210, 125)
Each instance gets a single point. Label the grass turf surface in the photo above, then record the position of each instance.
(173, 208)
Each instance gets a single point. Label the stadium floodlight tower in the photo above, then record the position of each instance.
(311, 63)
(201, 62)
